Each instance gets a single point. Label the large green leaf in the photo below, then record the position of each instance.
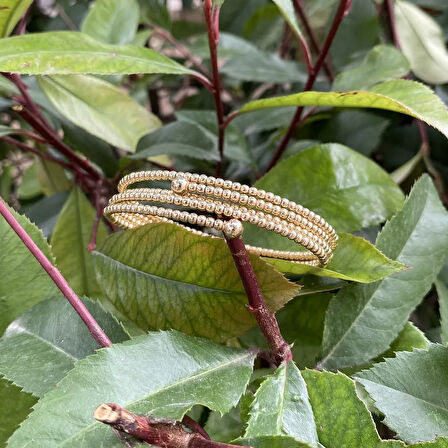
(162, 373)
(70, 52)
(181, 138)
(423, 42)
(112, 21)
(354, 259)
(342, 419)
(10, 13)
(349, 190)
(161, 276)
(50, 338)
(404, 96)
(281, 407)
(413, 387)
(382, 63)
(23, 282)
(69, 242)
(362, 320)
(286, 7)
(100, 108)
(15, 406)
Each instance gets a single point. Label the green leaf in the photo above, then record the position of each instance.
(349, 190)
(405, 399)
(51, 177)
(281, 407)
(10, 13)
(100, 108)
(407, 97)
(272, 442)
(342, 419)
(270, 68)
(69, 242)
(71, 52)
(23, 282)
(363, 320)
(355, 259)
(407, 340)
(50, 338)
(423, 43)
(29, 186)
(15, 406)
(442, 291)
(286, 8)
(6, 130)
(161, 276)
(163, 374)
(382, 63)
(156, 12)
(236, 145)
(112, 21)
(181, 138)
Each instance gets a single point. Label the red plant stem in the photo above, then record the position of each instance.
(267, 321)
(159, 432)
(35, 151)
(32, 114)
(342, 11)
(93, 326)
(212, 20)
(389, 7)
(300, 9)
(195, 426)
(21, 27)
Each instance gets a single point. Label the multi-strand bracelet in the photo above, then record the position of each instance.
(225, 205)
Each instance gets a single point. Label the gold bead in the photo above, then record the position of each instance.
(233, 228)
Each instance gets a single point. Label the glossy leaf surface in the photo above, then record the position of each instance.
(281, 407)
(163, 374)
(362, 320)
(69, 52)
(50, 338)
(382, 63)
(354, 259)
(112, 21)
(24, 282)
(100, 108)
(407, 97)
(423, 42)
(10, 13)
(161, 276)
(72, 235)
(405, 399)
(348, 190)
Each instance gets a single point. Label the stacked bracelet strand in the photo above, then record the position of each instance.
(231, 203)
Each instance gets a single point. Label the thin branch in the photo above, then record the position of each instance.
(212, 20)
(21, 27)
(32, 114)
(41, 154)
(342, 11)
(93, 326)
(159, 432)
(389, 8)
(195, 426)
(267, 321)
(300, 10)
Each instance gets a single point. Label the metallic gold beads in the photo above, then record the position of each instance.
(222, 205)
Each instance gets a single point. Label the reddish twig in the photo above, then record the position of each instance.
(300, 10)
(195, 426)
(21, 27)
(41, 154)
(343, 9)
(93, 326)
(212, 20)
(388, 6)
(267, 321)
(159, 432)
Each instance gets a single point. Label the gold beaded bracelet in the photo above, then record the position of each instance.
(231, 201)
